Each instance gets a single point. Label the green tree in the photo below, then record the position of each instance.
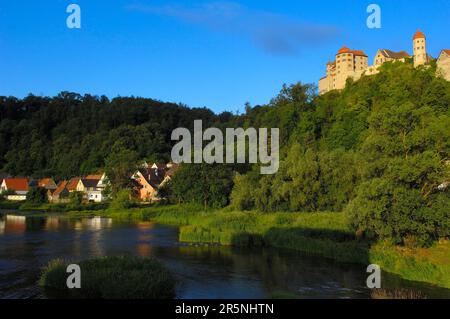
(205, 184)
(122, 200)
(121, 164)
(37, 195)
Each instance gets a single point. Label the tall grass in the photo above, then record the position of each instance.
(111, 278)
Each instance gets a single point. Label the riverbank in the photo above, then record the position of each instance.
(51, 207)
(323, 234)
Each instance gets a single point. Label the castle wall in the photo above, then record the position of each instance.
(443, 65)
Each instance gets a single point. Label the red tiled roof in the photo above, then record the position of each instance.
(61, 186)
(72, 184)
(447, 51)
(44, 182)
(94, 176)
(355, 52)
(419, 35)
(17, 184)
(358, 52)
(344, 50)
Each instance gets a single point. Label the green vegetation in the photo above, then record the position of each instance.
(122, 200)
(71, 135)
(37, 195)
(324, 234)
(51, 207)
(205, 184)
(378, 150)
(111, 278)
(5, 204)
(370, 161)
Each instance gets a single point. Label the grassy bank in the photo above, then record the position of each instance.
(111, 278)
(324, 234)
(50, 207)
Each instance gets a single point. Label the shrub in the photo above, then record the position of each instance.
(111, 278)
(122, 200)
(37, 195)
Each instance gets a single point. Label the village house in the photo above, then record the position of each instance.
(93, 187)
(149, 179)
(352, 64)
(47, 183)
(72, 184)
(16, 188)
(60, 194)
(171, 169)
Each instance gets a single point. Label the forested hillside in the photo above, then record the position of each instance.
(379, 150)
(69, 134)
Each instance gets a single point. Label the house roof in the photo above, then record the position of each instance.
(61, 187)
(358, 52)
(446, 51)
(90, 182)
(355, 52)
(153, 176)
(72, 184)
(44, 182)
(159, 165)
(344, 49)
(419, 35)
(95, 176)
(17, 184)
(395, 55)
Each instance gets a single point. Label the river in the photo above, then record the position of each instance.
(29, 243)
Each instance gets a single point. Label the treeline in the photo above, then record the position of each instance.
(71, 135)
(378, 150)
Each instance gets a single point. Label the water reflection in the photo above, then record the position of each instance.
(15, 224)
(95, 223)
(28, 243)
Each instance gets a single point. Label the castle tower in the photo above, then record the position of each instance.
(420, 49)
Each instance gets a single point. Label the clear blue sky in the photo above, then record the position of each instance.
(218, 54)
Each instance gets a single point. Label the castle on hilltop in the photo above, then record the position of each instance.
(354, 63)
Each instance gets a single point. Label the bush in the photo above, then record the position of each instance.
(111, 278)
(386, 211)
(122, 200)
(37, 195)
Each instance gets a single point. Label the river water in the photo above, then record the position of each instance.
(29, 243)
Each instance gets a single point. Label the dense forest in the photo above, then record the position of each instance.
(379, 150)
(70, 135)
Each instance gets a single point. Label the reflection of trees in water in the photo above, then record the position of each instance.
(281, 271)
(2, 227)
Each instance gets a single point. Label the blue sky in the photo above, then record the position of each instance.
(218, 54)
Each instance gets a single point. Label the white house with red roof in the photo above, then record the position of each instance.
(17, 188)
